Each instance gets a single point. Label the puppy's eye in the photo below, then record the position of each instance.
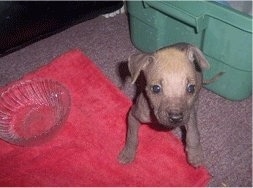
(156, 89)
(190, 88)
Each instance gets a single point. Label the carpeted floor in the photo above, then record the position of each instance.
(225, 126)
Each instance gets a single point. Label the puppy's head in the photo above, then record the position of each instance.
(173, 80)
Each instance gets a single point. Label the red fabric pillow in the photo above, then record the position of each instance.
(84, 152)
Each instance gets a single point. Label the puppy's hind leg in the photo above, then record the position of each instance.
(127, 155)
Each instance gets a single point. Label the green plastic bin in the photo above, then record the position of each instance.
(223, 34)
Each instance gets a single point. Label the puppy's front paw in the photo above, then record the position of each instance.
(195, 156)
(126, 156)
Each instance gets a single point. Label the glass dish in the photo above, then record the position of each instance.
(31, 111)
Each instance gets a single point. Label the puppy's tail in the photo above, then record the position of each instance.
(213, 79)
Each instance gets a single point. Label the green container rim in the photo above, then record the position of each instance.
(198, 17)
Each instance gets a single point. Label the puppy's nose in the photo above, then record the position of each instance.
(175, 117)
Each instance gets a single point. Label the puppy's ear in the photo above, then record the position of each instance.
(197, 58)
(137, 63)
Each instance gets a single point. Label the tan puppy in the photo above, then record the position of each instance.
(173, 81)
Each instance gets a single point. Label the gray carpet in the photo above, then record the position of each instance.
(225, 126)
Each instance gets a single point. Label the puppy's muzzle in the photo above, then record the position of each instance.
(175, 117)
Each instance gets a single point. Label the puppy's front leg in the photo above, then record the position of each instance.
(127, 155)
(193, 146)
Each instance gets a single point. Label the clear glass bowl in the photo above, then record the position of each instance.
(31, 111)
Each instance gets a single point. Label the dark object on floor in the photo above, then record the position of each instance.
(25, 22)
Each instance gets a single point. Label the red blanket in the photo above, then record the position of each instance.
(84, 152)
